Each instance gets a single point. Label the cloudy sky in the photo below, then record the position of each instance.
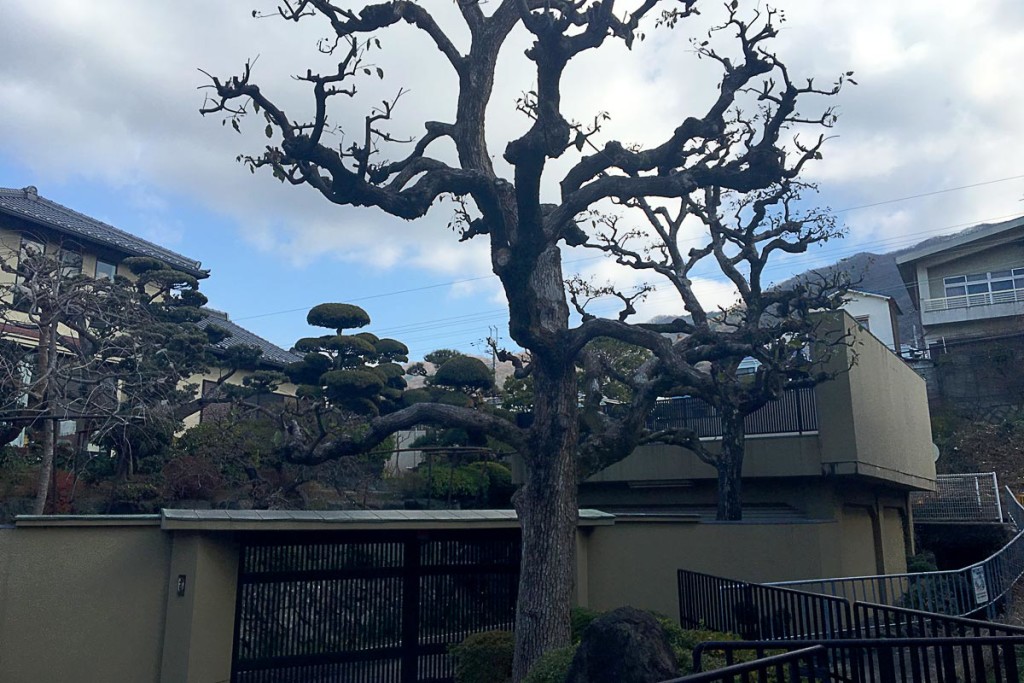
(99, 109)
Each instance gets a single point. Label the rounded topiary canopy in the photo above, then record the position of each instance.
(352, 382)
(391, 349)
(350, 345)
(464, 372)
(338, 316)
(312, 344)
(368, 336)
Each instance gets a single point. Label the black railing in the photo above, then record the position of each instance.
(800, 666)
(792, 413)
(983, 659)
(885, 621)
(757, 611)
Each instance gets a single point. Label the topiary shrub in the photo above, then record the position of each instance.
(484, 657)
(553, 666)
(338, 316)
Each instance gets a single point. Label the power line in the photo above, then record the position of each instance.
(440, 285)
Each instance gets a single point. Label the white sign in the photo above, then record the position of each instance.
(980, 585)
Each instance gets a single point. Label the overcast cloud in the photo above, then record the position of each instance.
(105, 93)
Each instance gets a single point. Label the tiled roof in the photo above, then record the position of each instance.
(27, 204)
(240, 335)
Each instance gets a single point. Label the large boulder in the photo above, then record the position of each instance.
(624, 646)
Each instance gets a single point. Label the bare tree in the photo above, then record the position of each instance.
(721, 149)
(735, 358)
(106, 356)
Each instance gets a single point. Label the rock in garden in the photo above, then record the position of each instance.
(624, 646)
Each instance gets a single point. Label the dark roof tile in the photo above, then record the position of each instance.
(27, 204)
(239, 335)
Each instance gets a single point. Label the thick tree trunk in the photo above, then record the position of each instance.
(730, 467)
(44, 361)
(547, 508)
(47, 449)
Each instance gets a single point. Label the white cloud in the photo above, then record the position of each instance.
(105, 93)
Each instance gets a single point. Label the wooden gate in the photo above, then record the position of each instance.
(368, 607)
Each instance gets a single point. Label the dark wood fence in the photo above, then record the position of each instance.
(368, 607)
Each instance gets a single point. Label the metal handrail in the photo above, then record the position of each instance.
(955, 592)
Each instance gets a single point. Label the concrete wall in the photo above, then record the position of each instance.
(131, 599)
(201, 616)
(83, 603)
(874, 419)
(635, 562)
(873, 422)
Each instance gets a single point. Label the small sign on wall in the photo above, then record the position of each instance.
(980, 585)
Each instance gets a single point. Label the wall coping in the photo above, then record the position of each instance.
(21, 521)
(296, 520)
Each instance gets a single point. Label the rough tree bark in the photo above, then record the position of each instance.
(47, 426)
(730, 466)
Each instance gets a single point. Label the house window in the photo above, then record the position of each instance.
(105, 270)
(984, 283)
(863, 321)
(70, 263)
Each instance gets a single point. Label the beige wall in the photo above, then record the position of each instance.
(83, 603)
(874, 419)
(200, 623)
(873, 422)
(96, 600)
(635, 563)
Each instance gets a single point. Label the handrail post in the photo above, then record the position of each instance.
(999, 502)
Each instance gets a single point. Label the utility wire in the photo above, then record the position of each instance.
(490, 276)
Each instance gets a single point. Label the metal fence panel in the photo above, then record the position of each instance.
(794, 412)
(953, 592)
(759, 611)
(982, 659)
(959, 498)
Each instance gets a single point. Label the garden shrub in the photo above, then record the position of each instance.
(484, 657)
(188, 477)
(553, 666)
(580, 618)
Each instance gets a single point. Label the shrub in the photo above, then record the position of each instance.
(553, 666)
(187, 477)
(484, 657)
(580, 619)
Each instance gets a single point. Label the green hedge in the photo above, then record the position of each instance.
(487, 657)
(484, 658)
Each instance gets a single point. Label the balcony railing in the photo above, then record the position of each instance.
(793, 413)
(1008, 296)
